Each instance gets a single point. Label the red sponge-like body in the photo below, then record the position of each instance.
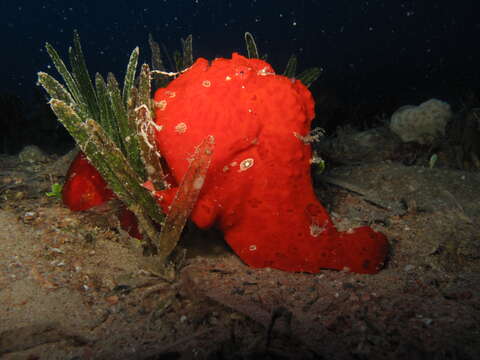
(85, 188)
(258, 189)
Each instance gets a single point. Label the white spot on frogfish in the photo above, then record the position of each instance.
(161, 105)
(181, 128)
(316, 229)
(246, 164)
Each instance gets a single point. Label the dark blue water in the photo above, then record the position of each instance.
(375, 53)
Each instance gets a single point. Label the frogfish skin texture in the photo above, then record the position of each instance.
(258, 189)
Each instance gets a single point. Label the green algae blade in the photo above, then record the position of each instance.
(119, 110)
(123, 106)
(309, 76)
(129, 81)
(145, 87)
(252, 50)
(146, 128)
(157, 64)
(291, 68)
(54, 88)
(74, 124)
(142, 150)
(187, 50)
(82, 77)
(187, 195)
(64, 73)
(107, 115)
(178, 60)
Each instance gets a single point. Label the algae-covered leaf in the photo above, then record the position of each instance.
(252, 50)
(54, 88)
(178, 60)
(82, 77)
(187, 49)
(157, 64)
(145, 87)
(147, 157)
(309, 76)
(71, 120)
(187, 195)
(64, 73)
(129, 81)
(291, 68)
(107, 116)
(146, 128)
(119, 110)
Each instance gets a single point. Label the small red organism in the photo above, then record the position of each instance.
(258, 189)
(85, 188)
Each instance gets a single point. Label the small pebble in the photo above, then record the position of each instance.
(29, 216)
(112, 300)
(32, 154)
(409, 267)
(427, 321)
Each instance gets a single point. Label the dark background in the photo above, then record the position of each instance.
(376, 55)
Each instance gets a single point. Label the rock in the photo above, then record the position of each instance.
(32, 154)
(423, 123)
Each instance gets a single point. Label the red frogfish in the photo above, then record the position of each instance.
(258, 189)
(85, 188)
